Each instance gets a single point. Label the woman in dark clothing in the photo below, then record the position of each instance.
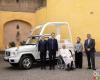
(78, 53)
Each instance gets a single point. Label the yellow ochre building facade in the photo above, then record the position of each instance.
(82, 15)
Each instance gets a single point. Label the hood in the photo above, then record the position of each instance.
(22, 48)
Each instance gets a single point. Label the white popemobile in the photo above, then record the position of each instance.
(24, 56)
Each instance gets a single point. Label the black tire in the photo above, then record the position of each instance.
(14, 64)
(26, 62)
(60, 63)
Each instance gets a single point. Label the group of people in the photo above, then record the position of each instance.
(51, 45)
(89, 46)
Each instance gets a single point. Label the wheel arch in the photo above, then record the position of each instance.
(30, 55)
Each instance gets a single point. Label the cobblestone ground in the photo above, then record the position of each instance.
(9, 73)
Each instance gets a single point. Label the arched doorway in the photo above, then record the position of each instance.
(14, 28)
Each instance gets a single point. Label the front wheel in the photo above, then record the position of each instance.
(26, 62)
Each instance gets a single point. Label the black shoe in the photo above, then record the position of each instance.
(76, 66)
(80, 67)
(41, 68)
(45, 68)
(53, 68)
(72, 68)
(94, 69)
(89, 68)
(67, 69)
(50, 68)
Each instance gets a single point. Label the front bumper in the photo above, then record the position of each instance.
(11, 59)
(6, 59)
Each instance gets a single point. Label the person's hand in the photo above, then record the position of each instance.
(57, 53)
(88, 49)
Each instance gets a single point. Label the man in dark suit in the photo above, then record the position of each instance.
(52, 48)
(42, 48)
(89, 46)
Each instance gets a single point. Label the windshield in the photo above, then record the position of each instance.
(34, 40)
(62, 32)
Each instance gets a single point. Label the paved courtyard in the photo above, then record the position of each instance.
(9, 73)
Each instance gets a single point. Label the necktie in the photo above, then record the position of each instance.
(52, 43)
(88, 41)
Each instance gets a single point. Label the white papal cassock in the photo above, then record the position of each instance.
(66, 55)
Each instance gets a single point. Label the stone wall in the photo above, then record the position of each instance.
(21, 5)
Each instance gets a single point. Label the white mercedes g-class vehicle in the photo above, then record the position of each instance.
(24, 56)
